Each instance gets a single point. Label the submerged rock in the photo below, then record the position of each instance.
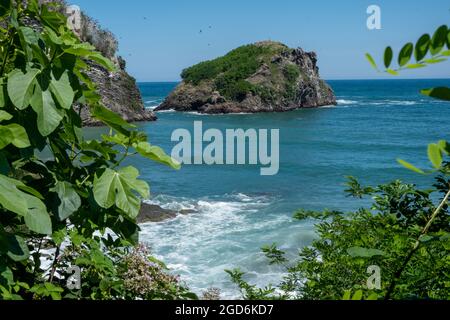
(262, 77)
(155, 213)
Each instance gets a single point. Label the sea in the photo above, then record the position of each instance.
(236, 211)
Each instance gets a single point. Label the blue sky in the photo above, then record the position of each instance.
(160, 38)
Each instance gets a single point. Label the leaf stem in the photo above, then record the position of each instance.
(416, 246)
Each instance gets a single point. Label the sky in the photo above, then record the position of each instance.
(161, 38)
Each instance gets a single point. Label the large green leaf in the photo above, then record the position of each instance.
(442, 93)
(28, 35)
(5, 116)
(11, 198)
(111, 119)
(156, 154)
(20, 87)
(13, 134)
(405, 54)
(14, 246)
(119, 187)
(31, 208)
(5, 6)
(439, 39)
(62, 90)
(388, 55)
(371, 61)
(48, 115)
(409, 166)
(37, 218)
(435, 155)
(70, 201)
(422, 46)
(51, 18)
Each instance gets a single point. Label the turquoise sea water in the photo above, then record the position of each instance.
(238, 211)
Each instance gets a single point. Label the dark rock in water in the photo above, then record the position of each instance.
(154, 213)
(187, 211)
(262, 77)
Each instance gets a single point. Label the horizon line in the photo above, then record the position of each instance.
(335, 79)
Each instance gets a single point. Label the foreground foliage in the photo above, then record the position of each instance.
(66, 201)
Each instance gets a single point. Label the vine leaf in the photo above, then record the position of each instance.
(13, 134)
(48, 115)
(120, 188)
(15, 248)
(69, 199)
(62, 90)
(23, 204)
(157, 154)
(20, 87)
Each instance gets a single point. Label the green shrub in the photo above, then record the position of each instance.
(231, 70)
(77, 206)
(348, 243)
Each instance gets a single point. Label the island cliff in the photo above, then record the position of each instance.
(262, 77)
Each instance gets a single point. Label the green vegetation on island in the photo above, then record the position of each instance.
(266, 76)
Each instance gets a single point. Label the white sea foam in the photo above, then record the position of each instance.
(346, 102)
(223, 233)
(167, 111)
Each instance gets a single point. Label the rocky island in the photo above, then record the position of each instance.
(262, 77)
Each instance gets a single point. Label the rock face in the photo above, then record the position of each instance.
(262, 77)
(118, 90)
(120, 94)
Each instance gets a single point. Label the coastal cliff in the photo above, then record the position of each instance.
(119, 90)
(262, 77)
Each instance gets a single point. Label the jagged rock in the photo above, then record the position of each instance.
(154, 213)
(284, 79)
(120, 94)
(119, 90)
